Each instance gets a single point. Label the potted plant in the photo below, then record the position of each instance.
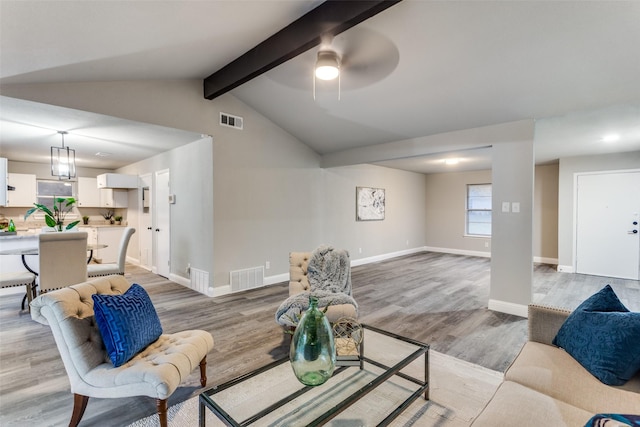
(108, 215)
(55, 219)
(118, 219)
(85, 220)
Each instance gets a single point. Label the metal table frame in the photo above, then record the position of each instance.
(206, 398)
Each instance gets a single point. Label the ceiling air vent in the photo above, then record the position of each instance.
(230, 121)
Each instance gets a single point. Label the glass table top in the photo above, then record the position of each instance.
(393, 375)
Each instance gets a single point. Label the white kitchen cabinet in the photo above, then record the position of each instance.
(112, 198)
(24, 194)
(88, 193)
(108, 236)
(4, 171)
(117, 180)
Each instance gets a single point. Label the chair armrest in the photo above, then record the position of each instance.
(545, 322)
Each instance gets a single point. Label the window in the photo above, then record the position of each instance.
(47, 190)
(479, 209)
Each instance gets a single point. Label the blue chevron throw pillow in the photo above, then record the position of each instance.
(128, 323)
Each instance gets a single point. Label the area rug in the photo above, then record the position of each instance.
(458, 392)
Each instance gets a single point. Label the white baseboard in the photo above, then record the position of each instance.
(545, 260)
(383, 257)
(542, 260)
(458, 251)
(220, 290)
(565, 269)
(180, 280)
(278, 278)
(509, 308)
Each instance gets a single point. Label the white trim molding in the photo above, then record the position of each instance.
(278, 278)
(458, 251)
(509, 308)
(565, 269)
(180, 280)
(383, 257)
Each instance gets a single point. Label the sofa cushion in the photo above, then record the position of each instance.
(552, 371)
(128, 323)
(604, 337)
(516, 405)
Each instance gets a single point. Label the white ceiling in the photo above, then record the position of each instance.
(419, 68)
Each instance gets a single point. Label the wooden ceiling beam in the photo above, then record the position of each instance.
(328, 19)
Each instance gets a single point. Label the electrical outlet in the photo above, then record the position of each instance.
(267, 265)
(407, 243)
(359, 250)
(486, 244)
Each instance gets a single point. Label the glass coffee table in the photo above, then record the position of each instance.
(387, 377)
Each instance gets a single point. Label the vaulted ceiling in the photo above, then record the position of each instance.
(418, 68)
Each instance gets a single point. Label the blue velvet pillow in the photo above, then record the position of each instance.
(604, 337)
(128, 323)
(599, 420)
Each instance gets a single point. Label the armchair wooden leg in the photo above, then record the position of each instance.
(79, 405)
(161, 404)
(203, 372)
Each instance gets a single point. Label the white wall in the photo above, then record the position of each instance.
(445, 213)
(191, 180)
(512, 232)
(403, 228)
(269, 195)
(445, 218)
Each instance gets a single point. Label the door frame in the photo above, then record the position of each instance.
(574, 246)
(156, 225)
(145, 219)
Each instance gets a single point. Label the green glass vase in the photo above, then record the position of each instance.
(313, 351)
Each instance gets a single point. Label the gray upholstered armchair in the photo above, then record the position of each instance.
(340, 306)
(156, 371)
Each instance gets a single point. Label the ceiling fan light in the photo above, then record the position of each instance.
(327, 65)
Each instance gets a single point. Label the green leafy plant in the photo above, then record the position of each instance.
(55, 219)
(117, 218)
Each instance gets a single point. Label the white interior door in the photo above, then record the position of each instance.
(607, 231)
(162, 232)
(145, 222)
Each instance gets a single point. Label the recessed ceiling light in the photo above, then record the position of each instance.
(611, 137)
(102, 154)
(451, 161)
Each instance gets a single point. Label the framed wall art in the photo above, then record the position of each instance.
(369, 204)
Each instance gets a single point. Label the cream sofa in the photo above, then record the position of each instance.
(545, 386)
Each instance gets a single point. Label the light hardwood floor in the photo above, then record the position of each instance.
(436, 298)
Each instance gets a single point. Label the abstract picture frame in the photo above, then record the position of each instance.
(370, 204)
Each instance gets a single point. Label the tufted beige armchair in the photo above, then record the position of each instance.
(155, 372)
(298, 282)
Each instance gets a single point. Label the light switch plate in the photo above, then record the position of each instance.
(515, 207)
(505, 207)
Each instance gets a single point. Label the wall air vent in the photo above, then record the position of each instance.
(231, 121)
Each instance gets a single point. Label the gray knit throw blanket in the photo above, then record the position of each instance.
(329, 269)
(329, 275)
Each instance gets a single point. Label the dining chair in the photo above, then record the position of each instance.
(20, 278)
(63, 259)
(95, 270)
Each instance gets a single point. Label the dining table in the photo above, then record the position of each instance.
(33, 250)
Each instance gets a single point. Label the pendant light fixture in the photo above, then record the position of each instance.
(327, 68)
(63, 160)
